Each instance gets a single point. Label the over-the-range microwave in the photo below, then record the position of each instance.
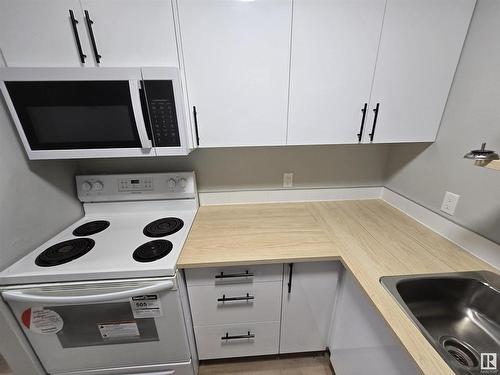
(63, 113)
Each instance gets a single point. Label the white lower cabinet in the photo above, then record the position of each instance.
(237, 340)
(361, 341)
(251, 310)
(309, 291)
(223, 304)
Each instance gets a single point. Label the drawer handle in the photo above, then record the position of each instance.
(238, 337)
(233, 275)
(248, 297)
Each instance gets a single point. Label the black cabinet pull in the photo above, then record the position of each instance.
(360, 134)
(238, 337)
(233, 275)
(375, 110)
(195, 117)
(290, 278)
(248, 297)
(74, 22)
(92, 38)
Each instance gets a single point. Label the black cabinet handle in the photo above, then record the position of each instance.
(375, 110)
(248, 297)
(92, 38)
(290, 278)
(195, 117)
(238, 337)
(233, 275)
(360, 134)
(74, 22)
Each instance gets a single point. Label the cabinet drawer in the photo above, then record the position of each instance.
(222, 304)
(212, 342)
(234, 275)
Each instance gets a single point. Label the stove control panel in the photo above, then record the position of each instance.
(153, 186)
(135, 184)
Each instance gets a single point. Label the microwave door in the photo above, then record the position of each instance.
(78, 119)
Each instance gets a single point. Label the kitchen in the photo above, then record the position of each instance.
(324, 137)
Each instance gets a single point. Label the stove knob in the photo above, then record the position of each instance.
(97, 186)
(86, 186)
(183, 182)
(171, 184)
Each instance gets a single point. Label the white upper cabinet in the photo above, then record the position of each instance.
(419, 50)
(132, 32)
(334, 49)
(124, 32)
(40, 33)
(236, 56)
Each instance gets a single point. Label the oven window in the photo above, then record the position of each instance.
(75, 114)
(103, 324)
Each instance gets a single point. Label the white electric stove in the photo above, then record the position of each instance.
(103, 296)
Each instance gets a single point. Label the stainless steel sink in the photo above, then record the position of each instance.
(458, 313)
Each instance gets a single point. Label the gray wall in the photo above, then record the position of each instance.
(36, 197)
(472, 115)
(263, 167)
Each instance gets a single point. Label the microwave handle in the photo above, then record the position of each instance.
(19, 296)
(139, 118)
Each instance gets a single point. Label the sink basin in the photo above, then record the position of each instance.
(458, 313)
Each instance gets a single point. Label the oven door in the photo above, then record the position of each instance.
(80, 114)
(81, 327)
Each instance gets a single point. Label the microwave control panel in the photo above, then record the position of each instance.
(162, 113)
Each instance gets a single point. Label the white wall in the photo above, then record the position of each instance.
(36, 198)
(263, 167)
(424, 172)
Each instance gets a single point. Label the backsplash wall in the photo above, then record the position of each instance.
(247, 168)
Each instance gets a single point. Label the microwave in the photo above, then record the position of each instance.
(63, 113)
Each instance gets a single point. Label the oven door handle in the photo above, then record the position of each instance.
(135, 98)
(18, 296)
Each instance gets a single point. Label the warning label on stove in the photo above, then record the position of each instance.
(118, 330)
(40, 320)
(148, 306)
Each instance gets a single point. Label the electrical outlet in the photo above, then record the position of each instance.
(450, 202)
(288, 180)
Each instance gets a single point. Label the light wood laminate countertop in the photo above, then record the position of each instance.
(370, 237)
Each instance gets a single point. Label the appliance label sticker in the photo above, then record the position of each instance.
(118, 330)
(148, 306)
(40, 320)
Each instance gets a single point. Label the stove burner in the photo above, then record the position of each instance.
(163, 227)
(152, 250)
(64, 252)
(92, 227)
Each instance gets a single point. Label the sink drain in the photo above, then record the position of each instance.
(462, 352)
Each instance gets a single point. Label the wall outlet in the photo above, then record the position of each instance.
(450, 202)
(288, 180)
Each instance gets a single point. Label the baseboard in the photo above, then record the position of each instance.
(288, 195)
(474, 243)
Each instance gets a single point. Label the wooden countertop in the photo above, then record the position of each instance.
(370, 237)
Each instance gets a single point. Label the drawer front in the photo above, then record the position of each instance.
(212, 342)
(234, 275)
(223, 304)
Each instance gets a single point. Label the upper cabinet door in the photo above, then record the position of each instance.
(40, 33)
(334, 49)
(131, 32)
(236, 56)
(419, 51)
